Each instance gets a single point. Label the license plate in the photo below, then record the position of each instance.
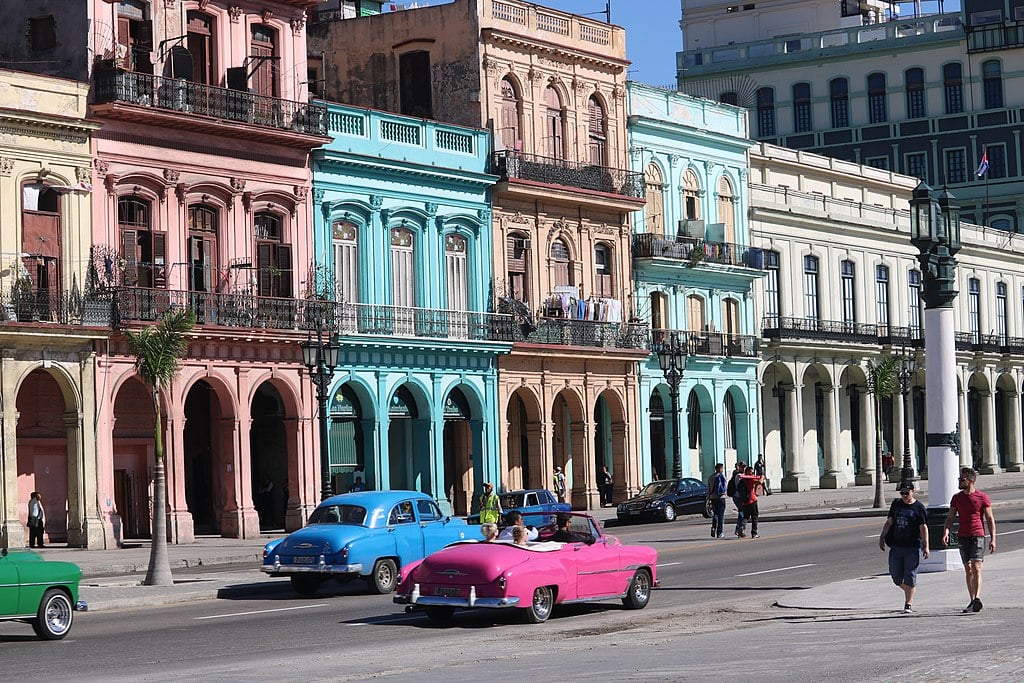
(448, 592)
(304, 560)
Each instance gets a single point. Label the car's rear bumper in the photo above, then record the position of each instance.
(278, 569)
(419, 600)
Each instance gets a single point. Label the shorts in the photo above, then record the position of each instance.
(903, 564)
(972, 548)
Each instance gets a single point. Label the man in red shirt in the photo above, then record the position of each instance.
(971, 506)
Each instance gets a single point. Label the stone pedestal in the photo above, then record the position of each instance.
(796, 482)
(833, 480)
(181, 528)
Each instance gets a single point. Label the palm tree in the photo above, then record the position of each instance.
(883, 381)
(158, 350)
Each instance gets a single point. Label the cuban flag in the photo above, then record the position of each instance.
(983, 166)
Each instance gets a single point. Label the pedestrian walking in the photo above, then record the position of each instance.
(733, 493)
(974, 510)
(760, 469)
(747, 487)
(906, 533)
(716, 492)
(36, 520)
(559, 484)
(490, 506)
(605, 484)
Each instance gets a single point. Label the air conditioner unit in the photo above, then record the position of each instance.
(691, 227)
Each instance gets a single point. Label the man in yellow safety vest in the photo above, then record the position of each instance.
(490, 506)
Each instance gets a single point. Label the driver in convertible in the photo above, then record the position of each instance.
(563, 535)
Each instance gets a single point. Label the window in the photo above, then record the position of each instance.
(772, 296)
(849, 289)
(811, 310)
(914, 83)
(992, 79)
(952, 80)
(143, 249)
(914, 303)
(560, 264)
(415, 89)
(511, 115)
(263, 52)
(134, 36)
(597, 132)
(456, 274)
(882, 297)
(654, 211)
(273, 256)
(766, 112)
(202, 248)
(554, 124)
(345, 241)
(42, 33)
(726, 210)
(517, 257)
(200, 46)
(729, 98)
(802, 108)
(917, 165)
(996, 161)
(731, 317)
(691, 195)
(974, 308)
(839, 92)
(403, 279)
(877, 110)
(1001, 312)
(695, 313)
(40, 237)
(728, 422)
(956, 166)
(878, 162)
(693, 420)
(603, 271)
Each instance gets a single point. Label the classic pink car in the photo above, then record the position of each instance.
(584, 566)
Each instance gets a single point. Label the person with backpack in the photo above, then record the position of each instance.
(746, 490)
(733, 493)
(716, 494)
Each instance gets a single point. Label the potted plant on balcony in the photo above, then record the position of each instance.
(696, 254)
(23, 298)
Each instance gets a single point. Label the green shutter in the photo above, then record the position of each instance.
(344, 450)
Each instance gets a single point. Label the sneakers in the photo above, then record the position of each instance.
(740, 534)
(755, 536)
(715, 535)
(908, 608)
(721, 535)
(973, 606)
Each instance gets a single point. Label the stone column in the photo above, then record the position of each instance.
(1015, 456)
(965, 430)
(987, 408)
(795, 479)
(898, 444)
(833, 478)
(866, 474)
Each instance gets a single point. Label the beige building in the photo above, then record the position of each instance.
(551, 88)
(47, 354)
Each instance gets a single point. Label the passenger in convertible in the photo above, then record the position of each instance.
(514, 520)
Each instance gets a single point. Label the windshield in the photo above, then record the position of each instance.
(338, 514)
(657, 488)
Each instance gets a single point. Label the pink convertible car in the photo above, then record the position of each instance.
(577, 564)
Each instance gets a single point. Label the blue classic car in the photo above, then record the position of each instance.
(370, 534)
(532, 500)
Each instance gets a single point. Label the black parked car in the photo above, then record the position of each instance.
(664, 500)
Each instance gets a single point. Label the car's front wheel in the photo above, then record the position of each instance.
(304, 584)
(384, 577)
(53, 619)
(669, 512)
(639, 592)
(540, 607)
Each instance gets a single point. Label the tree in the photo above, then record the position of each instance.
(158, 350)
(883, 381)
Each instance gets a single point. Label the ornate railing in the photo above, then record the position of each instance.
(712, 343)
(696, 251)
(813, 328)
(901, 336)
(982, 343)
(516, 165)
(25, 305)
(989, 37)
(147, 90)
(586, 333)
(132, 304)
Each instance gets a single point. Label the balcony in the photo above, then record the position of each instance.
(981, 343)
(991, 37)
(517, 166)
(774, 327)
(162, 101)
(713, 343)
(589, 333)
(24, 305)
(694, 251)
(135, 304)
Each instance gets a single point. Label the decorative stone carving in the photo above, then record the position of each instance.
(300, 192)
(172, 175)
(376, 201)
(297, 25)
(238, 184)
(580, 86)
(234, 13)
(110, 182)
(266, 15)
(431, 209)
(83, 174)
(102, 167)
(518, 218)
(673, 159)
(6, 166)
(618, 92)
(247, 201)
(181, 192)
(318, 194)
(534, 75)
(484, 215)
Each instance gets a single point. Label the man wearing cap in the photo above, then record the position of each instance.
(906, 532)
(559, 484)
(490, 506)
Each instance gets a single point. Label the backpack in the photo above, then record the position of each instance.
(743, 491)
(730, 490)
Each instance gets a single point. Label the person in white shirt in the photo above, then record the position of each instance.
(514, 518)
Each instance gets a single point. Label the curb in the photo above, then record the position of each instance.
(249, 558)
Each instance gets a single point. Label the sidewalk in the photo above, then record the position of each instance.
(112, 578)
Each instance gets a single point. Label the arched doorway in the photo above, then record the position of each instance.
(133, 445)
(777, 384)
(42, 453)
(409, 453)
(525, 468)
(568, 446)
(1004, 403)
(347, 443)
(977, 396)
(656, 449)
(735, 432)
(699, 438)
(269, 457)
(203, 481)
(855, 444)
(458, 452)
(610, 446)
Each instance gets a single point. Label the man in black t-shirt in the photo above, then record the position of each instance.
(908, 523)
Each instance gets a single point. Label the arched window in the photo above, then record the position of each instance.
(802, 122)
(691, 195)
(695, 313)
(839, 93)
(200, 47)
(142, 248)
(693, 421)
(457, 278)
(913, 80)
(992, 77)
(812, 311)
(345, 242)
(202, 248)
(877, 104)
(511, 115)
(597, 132)
(729, 97)
(403, 267)
(603, 281)
(952, 81)
(726, 210)
(655, 193)
(554, 124)
(766, 112)
(728, 422)
(273, 256)
(561, 266)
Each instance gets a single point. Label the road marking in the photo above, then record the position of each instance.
(672, 564)
(720, 543)
(1007, 533)
(780, 569)
(260, 611)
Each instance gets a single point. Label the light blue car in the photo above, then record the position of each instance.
(370, 534)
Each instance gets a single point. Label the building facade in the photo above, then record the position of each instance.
(842, 289)
(550, 86)
(403, 231)
(694, 275)
(930, 96)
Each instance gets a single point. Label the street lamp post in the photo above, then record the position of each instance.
(935, 231)
(907, 367)
(321, 358)
(672, 359)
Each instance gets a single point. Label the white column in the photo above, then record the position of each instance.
(833, 478)
(866, 474)
(795, 479)
(1015, 457)
(990, 459)
(898, 417)
(965, 428)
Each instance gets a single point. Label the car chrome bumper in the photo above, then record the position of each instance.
(415, 598)
(81, 606)
(277, 568)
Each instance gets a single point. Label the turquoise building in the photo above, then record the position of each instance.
(694, 275)
(402, 243)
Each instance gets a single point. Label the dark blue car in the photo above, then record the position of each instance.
(664, 500)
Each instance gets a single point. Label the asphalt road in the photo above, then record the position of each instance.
(716, 599)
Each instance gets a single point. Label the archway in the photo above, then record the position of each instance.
(269, 456)
(736, 432)
(977, 398)
(458, 452)
(1004, 403)
(525, 467)
(817, 392)
(610, 446)
(133, 445)
(203, 482)
(657, 450)
(347, 449)
(699, 439)
(568, 447)
(408, 437)
(42, 453)
(776, 383)
(853, 442)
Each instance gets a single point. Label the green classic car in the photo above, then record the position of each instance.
(44, 594)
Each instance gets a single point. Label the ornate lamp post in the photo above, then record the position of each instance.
(672, 359)
(321, 358)
(935, 231)
(908, 365)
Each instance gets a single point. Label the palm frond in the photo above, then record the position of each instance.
(884, 376)
(158, 349)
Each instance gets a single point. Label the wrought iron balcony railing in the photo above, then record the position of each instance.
(812, 328)
(260, 312)
(24, 305)
(592, 333)
(712, 343)
(901, 336)
(990, 37)
(510, 165)
(981, 343)
(176, 94)
(694, 251)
